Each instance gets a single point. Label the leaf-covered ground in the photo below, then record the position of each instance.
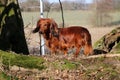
(58, 67)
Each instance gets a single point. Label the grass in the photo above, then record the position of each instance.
(104, 74)
(69, 65)
(103, 70)
(76, 17)
(65, 64)
(4, 76)
(10, 59)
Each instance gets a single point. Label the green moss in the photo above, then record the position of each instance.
(113, 31)
(118, 46)
(11, 12)
(22, 60)
(99, 44)
(1, 9)
(3, 20)
(117, 49)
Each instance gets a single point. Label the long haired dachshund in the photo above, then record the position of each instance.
(64, 38)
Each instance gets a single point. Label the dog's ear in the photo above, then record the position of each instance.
(37, 27)
(54, 24)
(53, 28)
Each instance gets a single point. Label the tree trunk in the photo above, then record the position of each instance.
(12, 35)
(110, 42)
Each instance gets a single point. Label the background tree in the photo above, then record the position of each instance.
(102, 9)
(47, 7)
(12, 35)
(116, 4)
(67, 5)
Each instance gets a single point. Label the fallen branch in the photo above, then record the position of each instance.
(102, 55)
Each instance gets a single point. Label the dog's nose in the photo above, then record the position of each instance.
(41, 32)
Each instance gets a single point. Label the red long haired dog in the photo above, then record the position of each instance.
(64, 38)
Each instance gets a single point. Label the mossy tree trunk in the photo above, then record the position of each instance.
(12, 35)
(110, 42)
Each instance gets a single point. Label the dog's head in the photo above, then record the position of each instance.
(46, 26)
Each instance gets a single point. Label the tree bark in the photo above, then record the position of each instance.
(12, 35)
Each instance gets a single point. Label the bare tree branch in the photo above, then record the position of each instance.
(62, 13)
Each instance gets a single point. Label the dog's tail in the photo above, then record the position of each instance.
(88, 50)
